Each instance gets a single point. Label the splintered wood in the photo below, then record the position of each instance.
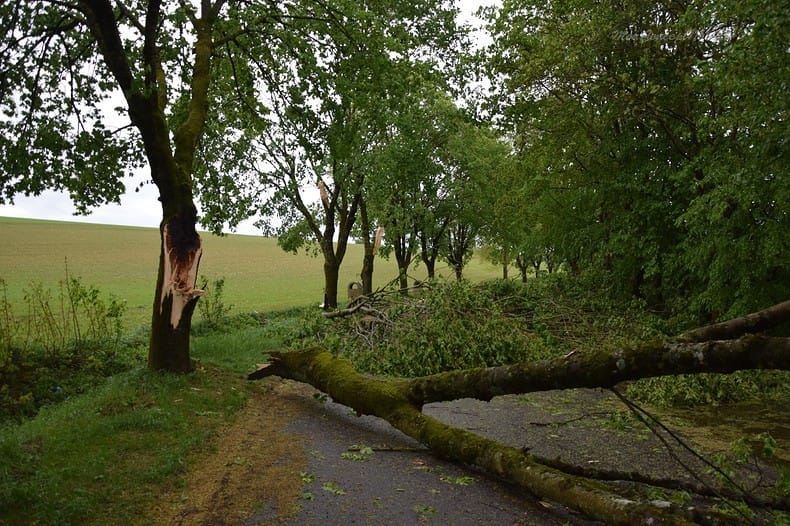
(180, 276)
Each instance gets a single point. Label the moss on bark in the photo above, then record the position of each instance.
(399, 401)
(392, 401)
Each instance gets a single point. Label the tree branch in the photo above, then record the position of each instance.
(605, 369)
(188, 134)
(101, 20)
(123, 8)
(751, 323)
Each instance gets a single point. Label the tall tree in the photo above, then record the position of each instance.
(321, 116)
(62, 64)
(406, 171)
(474, 158)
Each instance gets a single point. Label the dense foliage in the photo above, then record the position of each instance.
(447, 326)
(653, 143)
(459, 325)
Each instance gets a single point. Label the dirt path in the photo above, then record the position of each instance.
(292, 458)
(250, 476)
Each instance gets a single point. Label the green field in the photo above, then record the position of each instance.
(122, 260)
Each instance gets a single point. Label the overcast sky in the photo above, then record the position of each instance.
(139, 208)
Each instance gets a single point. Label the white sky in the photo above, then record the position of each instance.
(142, 208)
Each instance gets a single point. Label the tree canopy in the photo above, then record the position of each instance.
(653, 136)
(93, 89)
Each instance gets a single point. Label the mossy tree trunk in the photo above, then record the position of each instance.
(399, 401)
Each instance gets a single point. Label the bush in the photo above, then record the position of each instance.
(211, 306)
(64, 343)
(450, 326)
(463, 325)
(707, 389)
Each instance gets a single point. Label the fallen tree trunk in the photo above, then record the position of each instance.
(751, 323)
(399, 401)
(390, 400)
(605, 369)
(573, 371)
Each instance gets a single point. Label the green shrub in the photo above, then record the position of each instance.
(707, 389)
(212, 307)
(451, 326)
(64, 343)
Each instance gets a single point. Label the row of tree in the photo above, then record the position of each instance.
(642, 140)
(362, 135)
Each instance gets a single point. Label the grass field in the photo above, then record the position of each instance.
(122, 260)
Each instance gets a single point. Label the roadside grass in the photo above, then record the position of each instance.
(242, 340)
(236, 351)
(103, 457)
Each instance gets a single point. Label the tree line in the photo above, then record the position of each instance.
(642, 141)
(651, 143)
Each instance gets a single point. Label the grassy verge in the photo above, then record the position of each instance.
(102, 457)
(242, 341)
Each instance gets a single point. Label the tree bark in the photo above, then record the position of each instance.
(368, 257)
(399, 401)
(751, 323)
(331, 276)
(343, 206)
(430, 264)
(367, 273)
(430, 247)
(170, 157)
(522, 265)
(403, 252)
(458, 248)
(176, 296)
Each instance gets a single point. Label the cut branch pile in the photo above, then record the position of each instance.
(720, 348)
